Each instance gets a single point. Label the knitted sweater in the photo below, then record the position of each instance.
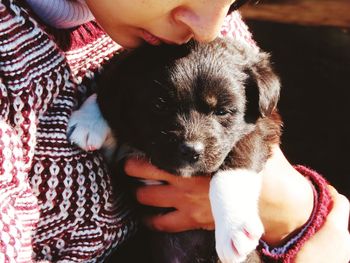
(57, 203)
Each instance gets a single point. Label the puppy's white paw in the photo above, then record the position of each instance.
(234, 243)
(234, 198)
(86, 127)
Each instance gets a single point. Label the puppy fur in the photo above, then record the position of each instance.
(193, 110)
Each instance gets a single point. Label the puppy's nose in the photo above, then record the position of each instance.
(191, 151)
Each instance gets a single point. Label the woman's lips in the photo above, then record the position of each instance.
(151, 39)
(156, 41)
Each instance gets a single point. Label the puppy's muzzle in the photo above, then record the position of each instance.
(190, 152)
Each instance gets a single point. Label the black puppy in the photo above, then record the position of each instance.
(191, 110)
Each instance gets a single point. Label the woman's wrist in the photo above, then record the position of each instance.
(286, 200)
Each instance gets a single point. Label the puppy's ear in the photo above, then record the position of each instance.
(267, 82)
(252, 111)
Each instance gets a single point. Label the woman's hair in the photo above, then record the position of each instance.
(237, 4)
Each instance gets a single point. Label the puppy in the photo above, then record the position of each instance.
(194, 110)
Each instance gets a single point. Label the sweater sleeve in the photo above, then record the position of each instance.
(83, 215)
(235, 27)
(18, 206)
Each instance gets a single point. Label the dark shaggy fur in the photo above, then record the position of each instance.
(192, 110)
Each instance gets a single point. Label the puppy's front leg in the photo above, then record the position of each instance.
(234, 196)
(87, 127)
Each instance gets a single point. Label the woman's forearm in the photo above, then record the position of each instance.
(286, 200)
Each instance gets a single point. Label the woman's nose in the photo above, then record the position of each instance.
(203, 22)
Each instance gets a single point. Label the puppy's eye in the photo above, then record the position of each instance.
(223, 111)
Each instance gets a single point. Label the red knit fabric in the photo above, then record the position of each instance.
(322, 206)
(57, 202)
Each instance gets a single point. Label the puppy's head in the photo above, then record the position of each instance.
(185, 106)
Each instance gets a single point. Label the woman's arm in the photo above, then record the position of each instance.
(282, 209)
(332, 242)
(286, 203)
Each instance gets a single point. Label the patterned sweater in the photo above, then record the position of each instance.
(57, 203)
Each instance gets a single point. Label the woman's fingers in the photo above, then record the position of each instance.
(141, 168)
(171, 222)
(188, 196)
(159, 196)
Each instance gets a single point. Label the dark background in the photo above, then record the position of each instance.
(314, 66)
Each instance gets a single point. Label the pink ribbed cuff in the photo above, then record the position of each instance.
(322, 205)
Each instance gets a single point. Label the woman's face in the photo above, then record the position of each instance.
(133, 22)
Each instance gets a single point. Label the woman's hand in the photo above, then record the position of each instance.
(189, 196)
(282, 208)
(332, 242)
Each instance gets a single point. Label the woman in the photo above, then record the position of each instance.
(57, 202)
